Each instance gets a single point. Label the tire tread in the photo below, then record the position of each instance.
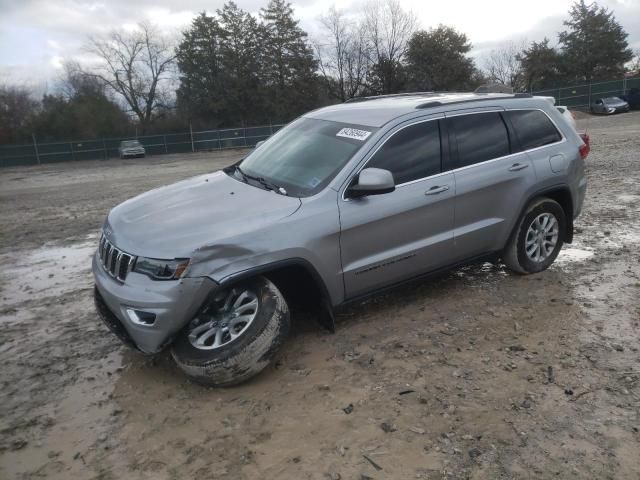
(241, 364)
(511, 254)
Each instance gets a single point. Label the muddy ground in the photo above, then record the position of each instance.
(477, 374)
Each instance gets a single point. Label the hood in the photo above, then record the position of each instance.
(175, 220)
(616, 103)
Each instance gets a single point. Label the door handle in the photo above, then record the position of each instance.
(517, 166)
(435, 190)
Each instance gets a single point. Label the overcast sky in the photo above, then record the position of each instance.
(37, 35)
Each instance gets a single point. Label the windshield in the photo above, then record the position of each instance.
(612, 100)
(130, 143)
(304, 156)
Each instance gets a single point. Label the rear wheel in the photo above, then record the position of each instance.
(236, 336)
(538, 239)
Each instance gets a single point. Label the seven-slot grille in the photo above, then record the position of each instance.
(116, 262)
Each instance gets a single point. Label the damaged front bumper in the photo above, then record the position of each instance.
(147, 313)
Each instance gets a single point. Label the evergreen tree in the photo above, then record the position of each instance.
(17, 112)
(85, 116)
(595, 44)
(541, 66)
(81, 109)
(200, 96)
(289, 67)
(437, 60)
(240, 59)
(386, 77)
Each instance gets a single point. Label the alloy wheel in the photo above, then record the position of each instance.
(226, 320)
(542, 237)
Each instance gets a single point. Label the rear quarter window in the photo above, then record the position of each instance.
(533, 128)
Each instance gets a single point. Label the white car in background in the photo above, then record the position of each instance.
(131, 148)
(566, 113)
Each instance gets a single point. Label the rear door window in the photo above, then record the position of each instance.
(533, 128)
(480, 137)
(412, 153)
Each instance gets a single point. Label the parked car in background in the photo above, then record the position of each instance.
(609, 105)
(131, 148)
(632, 98)
(343, 202)
(568, 116)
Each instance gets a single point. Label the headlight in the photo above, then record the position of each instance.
(611, 109)
(161, 269)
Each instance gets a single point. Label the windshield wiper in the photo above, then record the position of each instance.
(272, 186)
(261, 180)
(245, 177)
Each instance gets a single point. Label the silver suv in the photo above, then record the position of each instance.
(343, 202)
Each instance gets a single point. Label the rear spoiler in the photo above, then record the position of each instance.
(552, 100)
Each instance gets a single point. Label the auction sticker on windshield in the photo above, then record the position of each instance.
(353, 133)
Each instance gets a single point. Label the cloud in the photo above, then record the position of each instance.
(36, 34)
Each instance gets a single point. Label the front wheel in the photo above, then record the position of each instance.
(538, 239)
(235, 336)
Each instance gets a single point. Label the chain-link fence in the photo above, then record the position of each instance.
(102, 149)
(576, 97)
(579, 97)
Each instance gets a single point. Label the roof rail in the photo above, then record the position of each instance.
(435, 103)
(390, 95)
(479, 97)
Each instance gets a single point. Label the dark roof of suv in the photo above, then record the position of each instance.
(376, 111)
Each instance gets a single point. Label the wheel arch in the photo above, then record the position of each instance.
(558, 193)
(297, 279)
(562, 195)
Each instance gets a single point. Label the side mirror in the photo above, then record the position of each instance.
(372, 181)
(259, 144)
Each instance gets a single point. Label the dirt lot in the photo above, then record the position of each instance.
(478, 374)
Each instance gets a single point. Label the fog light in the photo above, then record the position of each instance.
(141, 318)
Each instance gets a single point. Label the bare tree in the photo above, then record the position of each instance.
(135, 65)
(634, 65)
(73, 81)
(388, 30)
(502, 64)
(342, 55)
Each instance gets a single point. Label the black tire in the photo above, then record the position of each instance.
(248, 354)
(515, 256)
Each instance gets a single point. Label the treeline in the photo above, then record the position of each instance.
(82, 108)
(232, 68)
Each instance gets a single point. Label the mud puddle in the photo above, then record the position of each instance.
(60, 436)
(47, 271)
(568, 255)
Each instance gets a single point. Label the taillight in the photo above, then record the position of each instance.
(585, 148)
